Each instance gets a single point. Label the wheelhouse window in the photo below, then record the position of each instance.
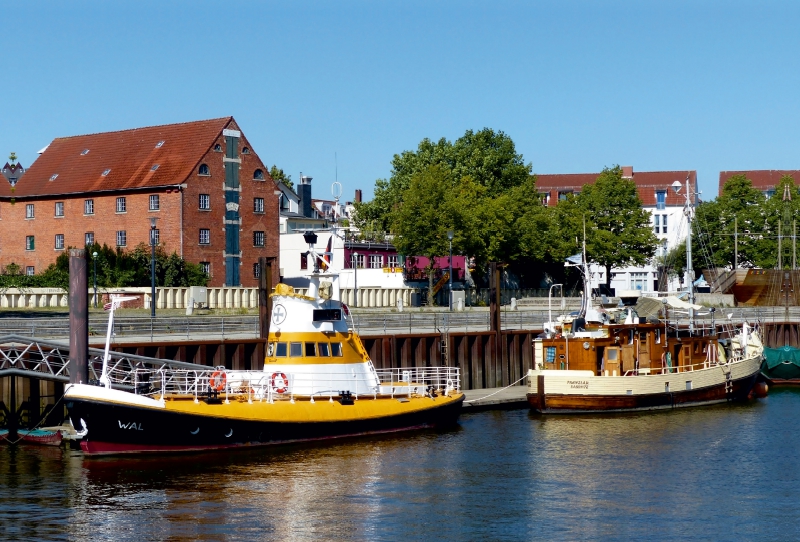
(324, 349)
(295, 350)
(336, 350)
(311, 349)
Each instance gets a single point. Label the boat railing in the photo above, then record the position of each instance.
(279, 385)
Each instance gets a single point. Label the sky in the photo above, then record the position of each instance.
(335, 89)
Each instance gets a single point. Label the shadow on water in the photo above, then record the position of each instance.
(720, 472)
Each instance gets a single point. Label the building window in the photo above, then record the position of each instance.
(657, 223)
(59, 208)
(121, 205)
(258, 175)
(155, 204)
(205, 236)
(245, 150)
(357, 261)
(394, 260)
(88, 207)
(769, 193)
(122, 238)
(562, 196)
(59, 241)
(661, 199)
(29, 210)
(664, 223)
(206, 267)
(29, 270)
(155, 236)
(203, 170)
(375, 261)
(217, 148)
(205, 202)
(258, 205)
(639, 281)
(29, 243)
(256, 271)
(88, 238)
(258, 238)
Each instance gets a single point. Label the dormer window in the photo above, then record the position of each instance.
(258, 175)
(203, 170)
(159, 144)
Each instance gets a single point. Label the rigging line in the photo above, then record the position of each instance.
(498, 391)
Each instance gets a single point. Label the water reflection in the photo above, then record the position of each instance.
(719, 472)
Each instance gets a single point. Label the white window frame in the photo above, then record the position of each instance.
(204, 236)
(30, 211)
(154, 199)
(59, 210)
(376, 261)
(59, 241)
(88, 206)
(122, 205)
(204, 198)
(88, 237)
(259, 238)
(122, 238)
(258, 205)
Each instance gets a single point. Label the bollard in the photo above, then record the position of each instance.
(190, 307)
(460, 304)
(513, 303)
(399, 304)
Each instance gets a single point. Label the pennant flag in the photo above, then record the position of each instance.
(107, 307)
(328, 254)
(575, 260)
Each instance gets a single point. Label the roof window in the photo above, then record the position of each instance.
(53, 177)
(159, 144)
(155, 167)
(85, 151)
(106, 172)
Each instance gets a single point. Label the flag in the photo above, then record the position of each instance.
(107, 307)
(328, 254)
(577, 259)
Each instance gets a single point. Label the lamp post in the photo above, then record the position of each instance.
(450, 274)
(355, 279)
(153, 220)
(94, 262)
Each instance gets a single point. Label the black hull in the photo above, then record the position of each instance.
(115, 428)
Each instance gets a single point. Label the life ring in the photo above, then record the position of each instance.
(284, 383)
(218, 380)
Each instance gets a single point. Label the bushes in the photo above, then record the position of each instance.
(116, 268)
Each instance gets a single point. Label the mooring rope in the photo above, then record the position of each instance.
(498, 391)
(37, 425)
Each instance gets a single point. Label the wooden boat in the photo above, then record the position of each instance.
(317, 382)
(46, 437)
(589, 364)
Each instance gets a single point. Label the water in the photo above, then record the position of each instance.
(718, 473)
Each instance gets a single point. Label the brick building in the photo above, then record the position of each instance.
(658, 198)
(211, 194)
(764, 180)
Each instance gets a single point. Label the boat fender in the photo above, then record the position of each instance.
(279, 383)
(218, 380)
(761, 389)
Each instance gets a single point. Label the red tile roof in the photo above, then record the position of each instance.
(763, 179)
(130, 156)
(647, 184)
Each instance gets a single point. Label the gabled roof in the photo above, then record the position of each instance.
(763, 179)
(76, 164)
(647, 183)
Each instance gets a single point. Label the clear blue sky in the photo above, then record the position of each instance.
(578, 85)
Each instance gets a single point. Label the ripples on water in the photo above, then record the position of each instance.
(717, 473)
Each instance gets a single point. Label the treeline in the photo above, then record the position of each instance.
(116, 268)
(481, 189)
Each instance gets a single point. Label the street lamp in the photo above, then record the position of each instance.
(450, 237)
(94, 262)
(355, 279)
(153, 220)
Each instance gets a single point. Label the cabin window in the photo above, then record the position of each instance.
(280, 350)
(550, 354)
(612, 354)
(643, 337)
(658, 336)
(696, 347)
(336, 349)
(631, 335)
(295, 350)
(311, 349)
(324, 350)
(688, 384)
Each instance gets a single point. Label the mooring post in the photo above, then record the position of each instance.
(264, 300)
(78, 316)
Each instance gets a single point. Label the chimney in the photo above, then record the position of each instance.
(305, 196)
(358, 196)
(627, 172)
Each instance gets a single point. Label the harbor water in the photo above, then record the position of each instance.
(725, 472)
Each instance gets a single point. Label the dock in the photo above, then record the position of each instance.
(495, 398)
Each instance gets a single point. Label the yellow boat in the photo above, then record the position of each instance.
(318, 382)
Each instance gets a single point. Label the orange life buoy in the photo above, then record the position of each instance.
(218, 380)
(283, 382)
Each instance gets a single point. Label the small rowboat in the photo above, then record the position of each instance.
(46, 437)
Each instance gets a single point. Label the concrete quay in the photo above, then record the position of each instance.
(507, 398)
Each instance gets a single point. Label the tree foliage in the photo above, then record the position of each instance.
(278, 175)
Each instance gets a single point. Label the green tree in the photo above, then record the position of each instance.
(489, 158)
(278, 175)
(618, 230)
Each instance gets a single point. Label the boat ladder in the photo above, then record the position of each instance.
(728, 381)
(444, 341)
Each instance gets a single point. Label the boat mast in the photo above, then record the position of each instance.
(688, 211)
(587, 285)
